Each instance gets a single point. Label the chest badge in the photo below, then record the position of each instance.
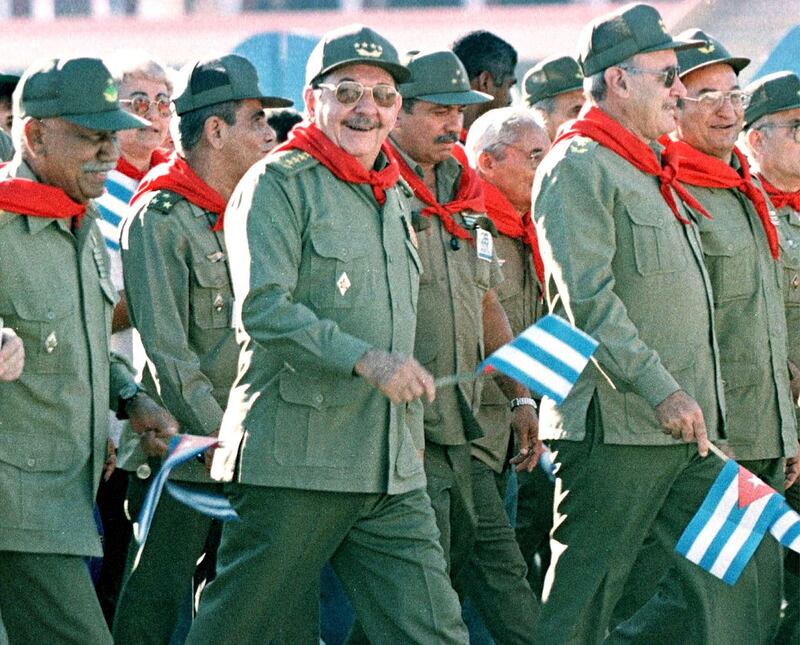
(50, 343)
(484, 244)
(343, 283)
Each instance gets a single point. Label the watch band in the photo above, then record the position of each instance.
(523, 400)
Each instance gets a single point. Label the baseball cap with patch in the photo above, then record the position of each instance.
(350, 45)
(440, 77)
(772, 93)
(550, 77)
(614, 37)
(201, 83)
(78, 90)
(710, 52)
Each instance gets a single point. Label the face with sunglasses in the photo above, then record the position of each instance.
(712, 114)
(149, 99)
(355, 106)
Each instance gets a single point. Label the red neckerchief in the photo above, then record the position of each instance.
(462, 136)
(469, 197)
(28, 197)
(176, 175)
(599, 126)
(509, 222)
(309, 138)
(129, 170)
(699, 169)
(780, 198)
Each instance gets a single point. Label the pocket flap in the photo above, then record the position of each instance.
(36, 454)
(724, 245)
(33, 308)
(335, 245)
(644, 218)
(318, 393)
(211, 275)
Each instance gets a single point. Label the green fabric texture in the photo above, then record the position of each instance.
(772, 93)
(440, 77)
(550, 77)
(711, 53)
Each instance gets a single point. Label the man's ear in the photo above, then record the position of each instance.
(310, 99)
(484, 82)
(486, 163)
(214, 130)
(34, 138)
(755, 139)
(616, 81)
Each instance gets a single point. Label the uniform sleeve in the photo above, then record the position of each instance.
(266, 251)
(154, 264)
(577, 233)
(121, 374)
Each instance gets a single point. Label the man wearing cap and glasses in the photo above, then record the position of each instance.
(741, 248)
(56, 293)
(323, 429)
(553, 89)
(630, 441)
(772, 126)
(180, 298)
(458, 313)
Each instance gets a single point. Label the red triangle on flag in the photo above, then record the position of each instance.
(751, 488)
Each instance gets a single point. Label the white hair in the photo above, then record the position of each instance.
(496, 128)
(134, 63)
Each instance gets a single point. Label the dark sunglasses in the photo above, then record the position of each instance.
(668, 76)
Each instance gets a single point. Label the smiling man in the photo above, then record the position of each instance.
(56, 294)
(323, 430)
(742, 249)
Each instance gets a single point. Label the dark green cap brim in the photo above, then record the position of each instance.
(110, 121)
(677, 45)
(470, 97)
(738, 64)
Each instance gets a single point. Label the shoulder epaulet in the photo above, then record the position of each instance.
(581, 145)
(164, 201)
(405, 187)
(290, 162)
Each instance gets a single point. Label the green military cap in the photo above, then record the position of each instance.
(550, 77)
(8, 82)
(772, 93)
(201, 83)
(350, 45)
(710, 53)
(616, 36)
(440, 77)
(79, 90)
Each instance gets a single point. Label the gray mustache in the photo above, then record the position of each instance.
(362, 122)
(98, 167)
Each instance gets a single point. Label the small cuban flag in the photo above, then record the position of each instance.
(548, 357)
(182, 448)
(786, 528)
(734, 517)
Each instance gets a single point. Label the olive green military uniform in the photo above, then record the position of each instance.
(484, 558)
(633, 277)
(180, 301)
(56, 294)
(326, 467)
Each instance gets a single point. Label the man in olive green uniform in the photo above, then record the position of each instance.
(180, 300)
(627, 266)
(325, 276)
(772, 122)
(553, 89)
(459, 321)
(56, 294)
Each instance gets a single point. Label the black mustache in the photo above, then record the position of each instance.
(451, 137)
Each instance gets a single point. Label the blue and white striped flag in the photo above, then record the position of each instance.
(548, 357)
(182, 448)
(786, 528)
(734, 517)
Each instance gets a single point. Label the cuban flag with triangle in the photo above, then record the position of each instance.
(734, 517)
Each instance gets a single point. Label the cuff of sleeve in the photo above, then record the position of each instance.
(208, 416)
(344, 351)
(656, 384)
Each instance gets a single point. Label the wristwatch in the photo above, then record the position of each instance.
(126, 394)
(523, 400)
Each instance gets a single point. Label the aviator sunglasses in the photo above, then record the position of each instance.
(350, 93)
(140, 104)
(668, 76)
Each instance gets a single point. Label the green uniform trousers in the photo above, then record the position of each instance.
(609, 499)
(48, 598)
(534, 522)
(495, 577)
(762, 603)
(384, 548)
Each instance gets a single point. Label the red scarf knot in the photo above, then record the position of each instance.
(469, 197)
(509, 222)
(159, 155)
(176, 175)
(28, 197)
(309, 138)
(609, 133)
(781, 198)
(699, 169)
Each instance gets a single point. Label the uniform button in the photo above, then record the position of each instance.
(143, 471)
(50, 314)
(318, 398)
(795, 281)
(390, 260)
(31, 462)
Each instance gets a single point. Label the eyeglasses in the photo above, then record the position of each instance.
(140, 105)
(350, 93)
(714, 100)
(536, 155)
(794, 127)
(668, 76)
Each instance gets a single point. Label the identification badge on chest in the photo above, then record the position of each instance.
(484, 244)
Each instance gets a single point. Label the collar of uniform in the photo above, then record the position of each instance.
(20, 169)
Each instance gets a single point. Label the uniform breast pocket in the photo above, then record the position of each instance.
(731, 262)
(342, 273)
(211, 297)
(652, 244)
(46, 330)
